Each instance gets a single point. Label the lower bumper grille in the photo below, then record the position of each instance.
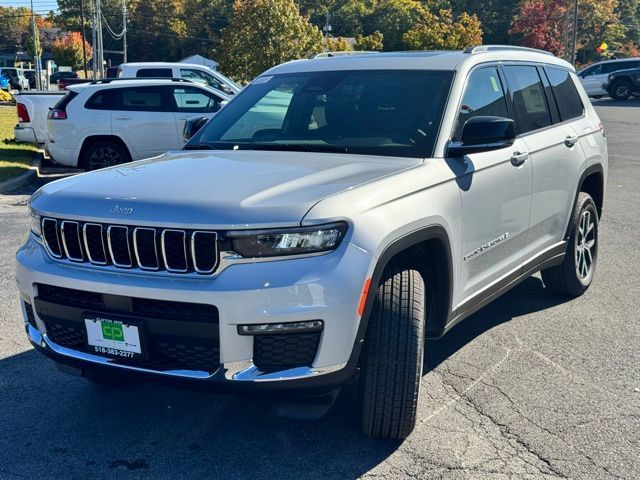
(31, 318)
(280, 352)
(176, 335)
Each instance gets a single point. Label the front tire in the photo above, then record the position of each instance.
(621, 90)
(104, 154)
(575, 274)
(392, 359)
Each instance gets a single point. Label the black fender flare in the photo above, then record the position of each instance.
(595, 168)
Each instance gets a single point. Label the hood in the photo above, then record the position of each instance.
(215, 190)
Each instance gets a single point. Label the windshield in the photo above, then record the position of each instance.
(375, 112)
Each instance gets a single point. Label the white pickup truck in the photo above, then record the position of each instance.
(32, 116)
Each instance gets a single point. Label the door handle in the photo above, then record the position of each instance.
(571, 140)
(123, 117)
(518, 158)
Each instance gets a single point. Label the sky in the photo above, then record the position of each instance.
(39, 6)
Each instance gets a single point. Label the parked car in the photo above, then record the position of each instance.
(5, 84)
(63, 83)
(33, 108)
(16, 77)
(107, 122)
(59, 75)
(195, 73)
(399, 193)
(594, 76)
(624, 83)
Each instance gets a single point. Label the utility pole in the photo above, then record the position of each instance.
(124, 30)
(575, 32)
(36, 57)
(94, 40)
(100, 56)
(565, 37)
(84, 48)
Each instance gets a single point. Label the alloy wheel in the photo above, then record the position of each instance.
(105, 157)
(585, 245)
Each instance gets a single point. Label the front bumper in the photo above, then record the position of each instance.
(326, 287)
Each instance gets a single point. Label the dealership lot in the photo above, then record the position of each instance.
(532, 386)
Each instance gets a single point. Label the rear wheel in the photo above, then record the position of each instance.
(621, 90)
(104, 154)
(575, 274)
(392, 359)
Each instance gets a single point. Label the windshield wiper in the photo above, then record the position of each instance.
(198, 146)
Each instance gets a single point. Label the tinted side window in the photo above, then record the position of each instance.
(564, 90)
(483, 95)
(143, 99)
(528, 97)
(198, 76)
(194, 100)
(154, 73)
(101, 101)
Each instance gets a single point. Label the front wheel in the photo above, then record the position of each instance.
(392, 357)
(575, 274)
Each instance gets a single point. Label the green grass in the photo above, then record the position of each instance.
(15, 158)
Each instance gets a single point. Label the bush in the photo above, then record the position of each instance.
(5, 96)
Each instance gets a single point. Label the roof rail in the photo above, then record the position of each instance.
(342, 53)
(105, 81)
(493, 48)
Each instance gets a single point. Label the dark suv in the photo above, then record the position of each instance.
(623, 83)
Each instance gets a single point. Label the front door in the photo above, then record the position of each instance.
(495, 193)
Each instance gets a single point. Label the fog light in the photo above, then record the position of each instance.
(281, 328)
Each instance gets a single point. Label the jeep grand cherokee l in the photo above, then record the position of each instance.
(334, 215)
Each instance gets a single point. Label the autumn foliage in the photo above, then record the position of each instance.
(67, 50)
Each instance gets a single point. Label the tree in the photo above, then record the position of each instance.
(29, 44)
(494, 15)
(67, 50)
(393, 18)
(598, 22)
(337, 44)
(541, 24)
(373, 42)
(442, 31)
(264, 33)
(14, 24)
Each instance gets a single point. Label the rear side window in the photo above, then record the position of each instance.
(154, 73)
(528, 97)
(615, 66)
(567, 97)
(143, 99)
(483, 95)
(103, 100)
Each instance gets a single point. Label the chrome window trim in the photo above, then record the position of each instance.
(46, 242)
(113, 259)
(193, 252)
(64, 240)
(86, 244)
(155, 249)
(184, 247)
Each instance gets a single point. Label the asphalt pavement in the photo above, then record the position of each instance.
(531, 387)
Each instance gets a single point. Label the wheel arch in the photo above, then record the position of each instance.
(427, 250)
(88, 141)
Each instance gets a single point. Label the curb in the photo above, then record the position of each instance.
(23, 178)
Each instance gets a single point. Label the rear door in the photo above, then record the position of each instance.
(495, 191)
(555, 154)
(145, 121)
(189, 102)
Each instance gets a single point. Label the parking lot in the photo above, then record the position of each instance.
(532, 386)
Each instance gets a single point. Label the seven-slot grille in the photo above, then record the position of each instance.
(145, 248)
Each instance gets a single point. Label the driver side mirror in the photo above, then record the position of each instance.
(483, 134)
(192, 126)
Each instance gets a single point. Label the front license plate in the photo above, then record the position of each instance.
(113, 338)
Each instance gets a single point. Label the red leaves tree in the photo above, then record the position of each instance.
(67, 50)
(540, 23)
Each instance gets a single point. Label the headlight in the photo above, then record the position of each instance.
(289, 241)
(36, 226)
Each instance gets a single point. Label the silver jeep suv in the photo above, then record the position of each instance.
(334, 215)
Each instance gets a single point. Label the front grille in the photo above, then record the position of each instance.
(130, 247)
(31, 318)
(280, 352)
(177, 335)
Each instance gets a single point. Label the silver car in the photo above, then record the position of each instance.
(314, 232)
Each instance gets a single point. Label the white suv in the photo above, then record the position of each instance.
(108, 122)
(387, 198)
(193, 72)
(595, 76)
